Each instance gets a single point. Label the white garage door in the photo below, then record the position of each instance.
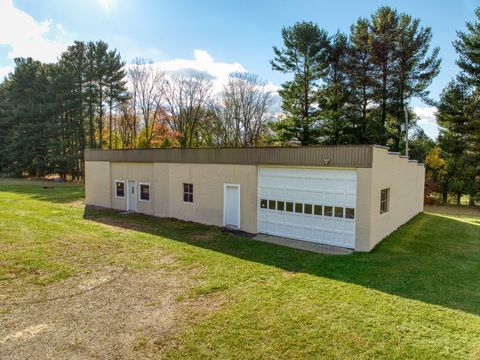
(316, 205)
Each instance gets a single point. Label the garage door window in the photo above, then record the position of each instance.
(384, 201)
(308, 208)
(289, 206)
(350, 213)
(317, 210)
(298, 208)
(271, 204)
(263, 204)
(328, 211)
(339, 212)
(280, 205)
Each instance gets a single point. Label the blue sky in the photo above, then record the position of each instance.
(231, 34)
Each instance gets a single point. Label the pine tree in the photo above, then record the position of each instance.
(360, 78)
(31, 113)
(383, 32)
(467, 46)
(336, 125)
(116, 87)
(305, 55)
(100, 71)
(460, 136)
(415, 68)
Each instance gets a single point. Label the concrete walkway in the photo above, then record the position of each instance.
(303, 245)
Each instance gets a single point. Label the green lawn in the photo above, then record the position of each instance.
(417, 295)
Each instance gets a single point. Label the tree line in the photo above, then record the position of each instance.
(453, 164)
(51, 113)
(344, 88)
(355, 87)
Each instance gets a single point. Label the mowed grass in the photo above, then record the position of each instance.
(416, 296)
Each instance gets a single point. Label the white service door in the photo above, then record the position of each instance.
(132, 196)
(231, 211)
(317, 205)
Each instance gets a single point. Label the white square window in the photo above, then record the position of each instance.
(144, 192)
(120, 189)
(188, 193)
(385, 201)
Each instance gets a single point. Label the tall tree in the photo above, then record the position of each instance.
(415, 67)
(116, 87)
(91, 91)
(188, 102)
(243, 110)
(383, 32)
(305, 55)
(334, 94)
(360, 78)
(467, 46)
(458, 116)
(30, 108)
(148, 87)
(100, 74)
(7, 123)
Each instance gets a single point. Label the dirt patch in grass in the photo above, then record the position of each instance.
(108, 313)
(204, 236)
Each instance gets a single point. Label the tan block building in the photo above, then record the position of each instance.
(349, 196)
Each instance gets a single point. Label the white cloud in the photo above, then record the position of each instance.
(26, 36)
(427, 120)
(4, 71)
(204, 63)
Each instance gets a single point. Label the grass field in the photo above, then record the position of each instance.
(92, 283)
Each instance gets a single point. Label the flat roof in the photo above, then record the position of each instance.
(359, 156)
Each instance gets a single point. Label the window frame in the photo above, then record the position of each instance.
(270, 202)
(331, 208)
(336, 214)
(347, 211)
(315, 207)
(385, 201)
(264, 201)
(124, 188)
(187, 193)
(140, 192)
(305, 206)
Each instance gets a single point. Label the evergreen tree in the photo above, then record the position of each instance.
(460, 136)
(305, 55)
(30, 109)
(467, 46)
(333, 96)
(414, 70)
(383, 33)
(116, 87)
(91, 93)
(101, 67)
(7, 124)
(360, 78)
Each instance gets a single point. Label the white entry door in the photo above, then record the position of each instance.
(231, 205)
(132, 196)
(317, 205)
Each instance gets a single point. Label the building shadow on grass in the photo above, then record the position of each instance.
(432, 259)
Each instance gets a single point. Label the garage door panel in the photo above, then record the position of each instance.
(316, 188)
